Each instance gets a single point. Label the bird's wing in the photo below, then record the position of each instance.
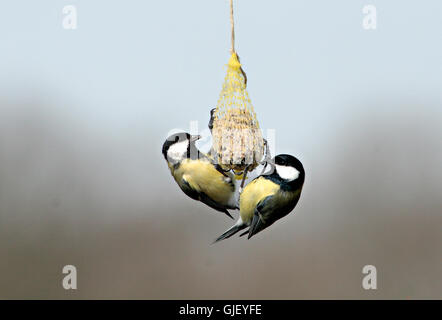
(260, 215)
(188, 190)
(269, 210)
(211, 203)
(193, 192)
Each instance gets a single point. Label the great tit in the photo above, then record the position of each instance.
(269, 197)
(197, 175)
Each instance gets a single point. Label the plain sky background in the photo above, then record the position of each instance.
(83, 115)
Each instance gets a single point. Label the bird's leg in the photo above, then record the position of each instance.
(244, 177)
(264, 169)
(267, 156)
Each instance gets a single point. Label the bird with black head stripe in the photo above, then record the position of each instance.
(196, 175)
(269, 197)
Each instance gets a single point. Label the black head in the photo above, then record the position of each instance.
(283, 168)
(182, 145)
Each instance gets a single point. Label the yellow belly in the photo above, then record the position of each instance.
(253, 193)
(203, 177)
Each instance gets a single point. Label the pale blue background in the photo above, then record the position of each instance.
(83, 115)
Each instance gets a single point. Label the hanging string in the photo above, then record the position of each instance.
(232, 49)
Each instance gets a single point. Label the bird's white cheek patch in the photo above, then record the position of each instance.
(287, 173)
(178, 150)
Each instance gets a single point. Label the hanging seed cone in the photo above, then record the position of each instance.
(237, 138)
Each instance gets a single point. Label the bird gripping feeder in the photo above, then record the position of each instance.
(237, 139)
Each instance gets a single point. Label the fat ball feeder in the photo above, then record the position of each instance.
(238, 144)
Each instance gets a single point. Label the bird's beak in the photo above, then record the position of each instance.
(195, 138)
(271, 163)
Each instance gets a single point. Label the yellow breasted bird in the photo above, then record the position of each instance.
(269, 197)
(197, 175)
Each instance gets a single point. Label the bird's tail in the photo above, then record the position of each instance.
(231, 231)
(256, 226)
(227, 213)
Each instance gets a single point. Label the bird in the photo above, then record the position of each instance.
(197, 175)
(269, 197)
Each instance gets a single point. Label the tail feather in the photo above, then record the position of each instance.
(256, 226)
(230, 232)
(227, 213)
(244, 233)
